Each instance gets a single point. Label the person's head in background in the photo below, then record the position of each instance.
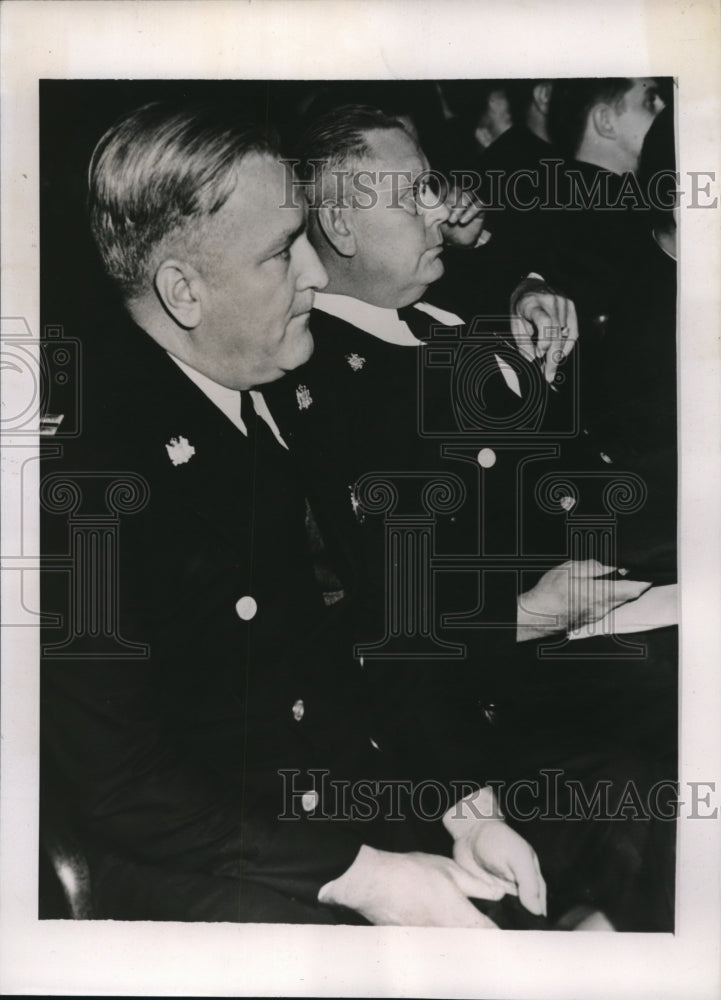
(658, 178)
(530, 102)
(481, 108)
(604, 120)
(494, 115)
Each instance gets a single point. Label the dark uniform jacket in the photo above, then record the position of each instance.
(622, 463)
(193, 659)
(371, 422)
(374, 425)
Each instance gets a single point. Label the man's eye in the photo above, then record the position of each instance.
(428, 191)
(283, 254)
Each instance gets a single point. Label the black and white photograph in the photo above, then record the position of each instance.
(361, 545)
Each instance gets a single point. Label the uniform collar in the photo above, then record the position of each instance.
(228, 400)
(378, 321)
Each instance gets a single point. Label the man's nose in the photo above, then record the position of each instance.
(311, 273)
(436, 211)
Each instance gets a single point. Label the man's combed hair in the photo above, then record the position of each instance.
(572, 101)
(160, 170)
(338, 140)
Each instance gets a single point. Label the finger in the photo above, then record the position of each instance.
(522, 333)
(464, 856)
(542, 885)
(558, 311)
(554, 306)
(542, 324)
(479, 885)
(548, 335)
(527, 873)
(554, 354)
(589, 567)
(629, 590)
(571, 327)
(470, 213)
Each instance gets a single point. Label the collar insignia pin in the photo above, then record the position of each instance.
(180, 450)
(302, 394)
(355, 361)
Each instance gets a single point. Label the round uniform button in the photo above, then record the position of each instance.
(246, 608)
(298, 710)
(309, 801)
(486, 458)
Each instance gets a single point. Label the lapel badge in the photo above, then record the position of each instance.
(356, 505)
(302, 394)
(355, 361)
(180, 450)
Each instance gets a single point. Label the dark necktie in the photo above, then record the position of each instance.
(248, 414)
(417, 321)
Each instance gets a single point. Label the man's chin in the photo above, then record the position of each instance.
(434, 270)
(303, 347)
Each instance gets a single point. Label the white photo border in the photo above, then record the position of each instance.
(376, 39)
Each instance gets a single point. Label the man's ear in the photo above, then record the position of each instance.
(602, 119)
(336, 225)
(179, 288)
(542, 96)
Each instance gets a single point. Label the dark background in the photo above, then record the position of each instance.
(74, 114)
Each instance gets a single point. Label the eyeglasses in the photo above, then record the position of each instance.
(428, 192)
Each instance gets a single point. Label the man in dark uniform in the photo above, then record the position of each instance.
(413, 472)
(596, 237)
(518, 171)
(197, 689)
(358, 406)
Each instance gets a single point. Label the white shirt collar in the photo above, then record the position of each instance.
(378, 321)
(385, 325)
(228, 400)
